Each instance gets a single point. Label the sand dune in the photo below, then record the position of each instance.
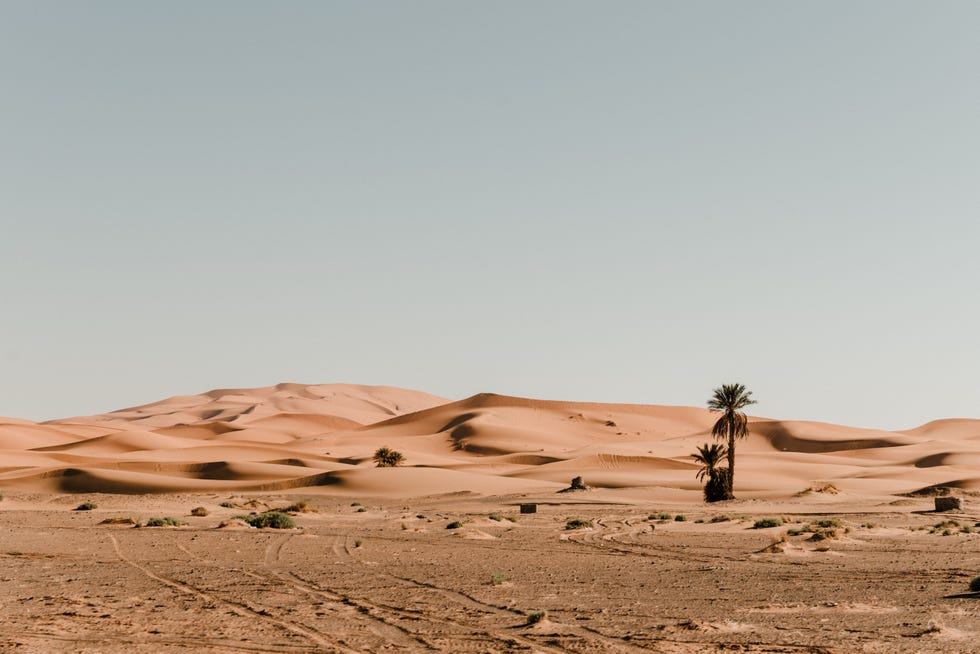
(321, 438)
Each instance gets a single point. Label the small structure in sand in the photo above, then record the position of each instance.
(947, 503)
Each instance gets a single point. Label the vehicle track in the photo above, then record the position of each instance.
(238, 608)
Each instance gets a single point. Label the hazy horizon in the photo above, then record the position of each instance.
(625, 202)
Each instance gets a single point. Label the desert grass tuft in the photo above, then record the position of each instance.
(165, 521)
(578, 523)
(269, 519)
(767, 523)
(302, 506)
(86, 506)
(118, 521)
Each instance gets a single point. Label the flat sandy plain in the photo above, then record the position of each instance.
(373, 567)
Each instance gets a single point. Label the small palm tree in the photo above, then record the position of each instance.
(385, 457)
(733, 425)
(709, 456)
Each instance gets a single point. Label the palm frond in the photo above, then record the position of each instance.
(730, 397)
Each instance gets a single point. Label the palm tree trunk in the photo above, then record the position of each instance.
(731, 461)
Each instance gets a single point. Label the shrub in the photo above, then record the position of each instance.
(498, 578)
(355, 503)
(86, 506)
(361, 509)
(975, 585)
(357, 543)
(827, 523)
(228, 505)
(716, 488)
(680, 518)
(269, 519)
(720, 518)
(199, 511)
(118, 521)
(386, 457)
(455, 524)
(166, 521)
(578, 523)
(496, 517)
(699, 521)
(301, 506)
(869, 525)
(534, 617)
(766, 523)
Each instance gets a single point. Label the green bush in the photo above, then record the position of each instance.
(498, 578)
(456, 524)
(720, 518)
(680, 518)
(199, 511)
(766, 523)
(361, 509)
(827, 523)
(86, 506)
(228, 505)
(578, 523)
(269, 519)
(975, 585)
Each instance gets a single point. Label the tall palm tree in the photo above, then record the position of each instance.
(733, 425)
(709, 456)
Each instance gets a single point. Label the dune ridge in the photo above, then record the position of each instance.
(321, 437)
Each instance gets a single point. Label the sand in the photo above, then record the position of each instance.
(386, 573)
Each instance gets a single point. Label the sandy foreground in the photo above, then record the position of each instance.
(373, 567)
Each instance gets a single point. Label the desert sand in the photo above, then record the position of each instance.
(375, 563)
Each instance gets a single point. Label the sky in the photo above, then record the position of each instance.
(599, 201)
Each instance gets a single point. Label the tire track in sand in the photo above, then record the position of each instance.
(342, 607)
(236, 607)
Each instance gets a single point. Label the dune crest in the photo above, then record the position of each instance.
(321, 438)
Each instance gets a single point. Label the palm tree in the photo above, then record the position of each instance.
(709, 456)
(385, 457)
(732, 425)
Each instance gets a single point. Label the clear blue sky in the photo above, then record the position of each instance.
(608, 201)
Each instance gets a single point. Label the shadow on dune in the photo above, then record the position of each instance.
(784, 439)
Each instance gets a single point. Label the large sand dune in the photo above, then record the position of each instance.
(321, 438)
